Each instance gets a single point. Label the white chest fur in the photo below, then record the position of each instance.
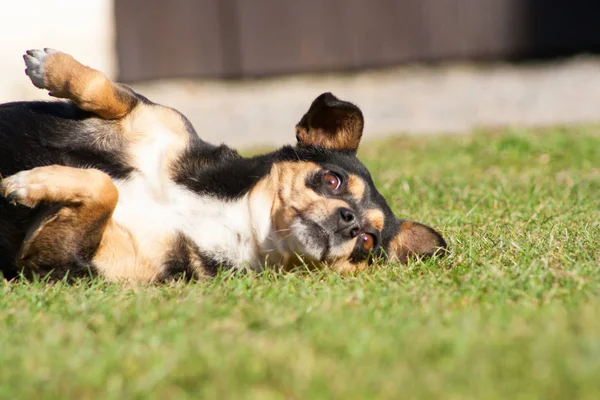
(231, 231)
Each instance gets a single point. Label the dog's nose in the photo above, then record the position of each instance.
(348, 225)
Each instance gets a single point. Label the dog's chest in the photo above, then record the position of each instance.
(222, 230)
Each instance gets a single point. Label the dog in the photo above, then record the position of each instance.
(107, 183)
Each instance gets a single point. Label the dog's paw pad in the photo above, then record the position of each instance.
(18, 189)
(34, 60)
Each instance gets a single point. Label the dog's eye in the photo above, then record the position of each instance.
(332, 180)
(367, 241)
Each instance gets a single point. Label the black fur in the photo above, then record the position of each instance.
(34, 134)
(213, 265)
(222, 172)
(182, 257)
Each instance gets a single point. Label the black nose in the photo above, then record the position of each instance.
(348, 225)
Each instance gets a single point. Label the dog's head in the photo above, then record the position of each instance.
(327, 207)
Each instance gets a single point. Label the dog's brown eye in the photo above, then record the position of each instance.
(367, 241)
(332, 180)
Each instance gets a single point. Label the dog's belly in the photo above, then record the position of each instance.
(155, 216)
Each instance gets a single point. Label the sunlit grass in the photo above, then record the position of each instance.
(513, 312)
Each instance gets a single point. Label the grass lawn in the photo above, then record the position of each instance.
(513, 312)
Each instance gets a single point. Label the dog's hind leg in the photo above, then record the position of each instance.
(76, 218)
(67, 78)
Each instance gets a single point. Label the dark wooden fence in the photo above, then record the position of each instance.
(252, 38)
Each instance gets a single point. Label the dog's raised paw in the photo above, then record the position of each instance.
(34, 60)
(21, 189)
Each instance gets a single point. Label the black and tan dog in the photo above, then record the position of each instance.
(111, 184)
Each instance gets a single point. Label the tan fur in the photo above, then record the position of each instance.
(59, 184)
(356, 186)
(413, 239)
(118, 257)
(145, 118)
(293, 197)
(287, 180)
(145, 127)
(155, 135)
(90, 89)
(343, 139)
(346, 267)
(82, 198)
(330, 128)
(375, 218)
(83, 201)
(287, 185)
(157, 130)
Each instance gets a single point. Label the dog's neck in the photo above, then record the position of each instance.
(263, 205)
(238, 233)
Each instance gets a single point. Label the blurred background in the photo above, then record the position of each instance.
(244, 71)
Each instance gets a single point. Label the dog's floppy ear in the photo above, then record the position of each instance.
(331, 123)
(415, 240)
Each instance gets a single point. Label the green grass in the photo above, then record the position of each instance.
(513, 312)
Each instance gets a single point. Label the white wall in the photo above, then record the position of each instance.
(84, 28)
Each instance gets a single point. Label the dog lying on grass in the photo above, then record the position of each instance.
(111, 184)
